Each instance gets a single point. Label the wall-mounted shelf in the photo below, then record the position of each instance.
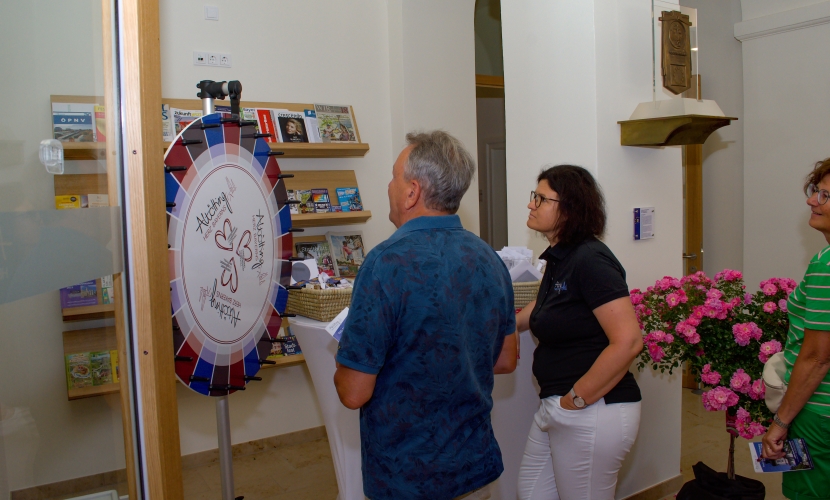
(86, 313)
(84, 150)
(290, 149)
(90, 340)
(670, 131)
(331, 180)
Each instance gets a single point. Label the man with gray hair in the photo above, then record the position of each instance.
(431, 321)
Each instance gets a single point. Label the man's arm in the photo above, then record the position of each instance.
(508, 356)
(354, 388)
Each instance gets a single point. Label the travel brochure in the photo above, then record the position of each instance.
(320, 124)
(340, 255)
(91, 369)
(796, 457)
(318, 200)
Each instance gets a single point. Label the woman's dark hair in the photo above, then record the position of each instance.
(820, 169)
(581, 204)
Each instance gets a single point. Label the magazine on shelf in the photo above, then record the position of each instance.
(80, 295)
(335, 123)
(291, 347)
(265, 122)
(78, 371)
(292, 196)
(348, 252)
(182, 118)
(349, 199)
(796, 457)
(101, 367)
(167, 124)
(311, 125)
(100, 123)
(320, 252)
(306, 205)
(73, 122)
(292, 126)
(322, 202)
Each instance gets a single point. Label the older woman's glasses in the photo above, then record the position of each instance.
(823, 194)
(537, 198)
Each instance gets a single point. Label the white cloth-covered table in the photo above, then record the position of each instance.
(342, 424)
(515, 400)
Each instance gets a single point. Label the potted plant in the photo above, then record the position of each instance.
(724, 334)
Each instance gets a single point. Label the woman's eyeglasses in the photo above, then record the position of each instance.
(537, 198)
(823, 194)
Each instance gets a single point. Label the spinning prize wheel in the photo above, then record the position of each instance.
(228, 230)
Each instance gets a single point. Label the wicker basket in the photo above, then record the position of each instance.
(525, 293)
(320, 305)
(324, 305)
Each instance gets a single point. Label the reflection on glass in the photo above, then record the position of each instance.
(52, 446)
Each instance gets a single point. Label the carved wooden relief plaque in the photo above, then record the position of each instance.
(676, 52)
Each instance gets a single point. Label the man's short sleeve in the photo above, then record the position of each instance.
(817, 300)
(370, 325)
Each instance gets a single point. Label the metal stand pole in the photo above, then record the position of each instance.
(223, 429)
(730, 467)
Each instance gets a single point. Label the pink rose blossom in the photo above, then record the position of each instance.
(693, 321)
(782, 304)
(693, 338)
(708, 376)
(770, 307)
(742, 415)
(757, 429)
(740, 381)
(673, 299)
(669, 338)
(729, 275)
(742, 333)
(769, 289)
(714, 293)
(747, 299)
(719, 399)
(757, 390)
(768, 349)
(656, 352)
(636, 297)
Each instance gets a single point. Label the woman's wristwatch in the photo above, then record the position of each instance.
(779, 423)
(578, 402)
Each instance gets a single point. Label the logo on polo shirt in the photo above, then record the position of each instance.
(560, 287)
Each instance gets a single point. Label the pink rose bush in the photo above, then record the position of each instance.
(723, 332)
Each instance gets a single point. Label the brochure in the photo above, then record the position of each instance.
(320, 198)
(335, 123)
(349, 198)
(796, 457)
(73, 122)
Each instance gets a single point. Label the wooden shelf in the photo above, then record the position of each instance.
(671, 130)
(90, 340)
(84, 150)
(296, 359)
(85, 313)
(331, 180)
(291, 150)
(91, 392)
(330, 219)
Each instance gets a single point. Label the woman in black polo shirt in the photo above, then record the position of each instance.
(588, 336)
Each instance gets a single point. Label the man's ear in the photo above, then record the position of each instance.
(413, 194)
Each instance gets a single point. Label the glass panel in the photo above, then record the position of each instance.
(61, 427)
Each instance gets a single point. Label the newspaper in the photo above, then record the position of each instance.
(335, 123)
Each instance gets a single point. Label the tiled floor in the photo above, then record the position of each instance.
(305, 471)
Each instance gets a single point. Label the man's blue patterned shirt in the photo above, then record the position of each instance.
(430, 309)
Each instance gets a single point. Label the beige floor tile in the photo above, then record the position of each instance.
(302, 455)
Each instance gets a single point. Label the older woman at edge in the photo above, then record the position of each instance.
(805, 409)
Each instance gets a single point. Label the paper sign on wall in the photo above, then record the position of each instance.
(644, 223)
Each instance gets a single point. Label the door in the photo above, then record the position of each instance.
(70, 419)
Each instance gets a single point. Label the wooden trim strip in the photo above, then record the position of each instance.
(490, 81)
(659, 490)
(146, 230)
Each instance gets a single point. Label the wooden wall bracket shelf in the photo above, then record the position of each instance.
(670, 131)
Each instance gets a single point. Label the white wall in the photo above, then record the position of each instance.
(723, 162)
(372, 55)
(785, 109)
(572, 70)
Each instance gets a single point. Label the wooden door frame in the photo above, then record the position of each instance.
(144, 200)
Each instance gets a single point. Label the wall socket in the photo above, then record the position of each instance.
(211, 59)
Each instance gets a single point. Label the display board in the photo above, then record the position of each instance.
(229, 248)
